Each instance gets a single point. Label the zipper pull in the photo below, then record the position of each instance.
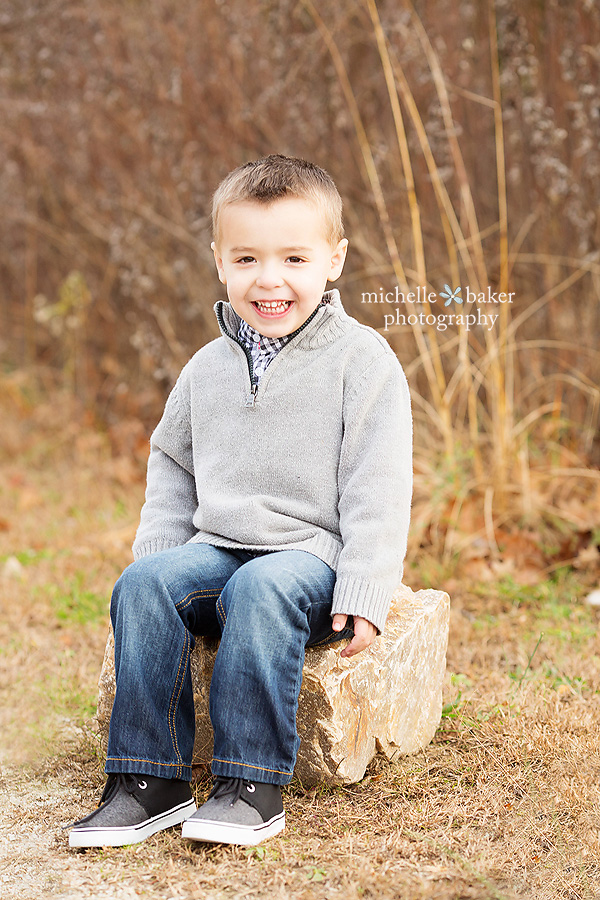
(253, 389)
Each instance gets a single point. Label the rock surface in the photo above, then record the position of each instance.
(386, 699)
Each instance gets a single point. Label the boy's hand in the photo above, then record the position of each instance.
(364, 633)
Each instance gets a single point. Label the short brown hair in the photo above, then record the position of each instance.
(273, 177)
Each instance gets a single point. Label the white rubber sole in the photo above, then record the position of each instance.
(90, 836)
(227, 833)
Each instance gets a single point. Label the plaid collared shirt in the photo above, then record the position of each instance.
(263, 349)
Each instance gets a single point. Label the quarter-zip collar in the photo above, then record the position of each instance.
(229, 321)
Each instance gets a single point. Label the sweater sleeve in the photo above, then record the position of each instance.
(171, 497)
(375, 489)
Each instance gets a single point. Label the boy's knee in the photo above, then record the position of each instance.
(261, 590)
(136, 588)
(143, 571)
(261, 580)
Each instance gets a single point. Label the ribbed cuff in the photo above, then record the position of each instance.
(154, 546)
(357, 596)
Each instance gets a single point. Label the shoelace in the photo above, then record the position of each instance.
(129, 782)
(234, 786)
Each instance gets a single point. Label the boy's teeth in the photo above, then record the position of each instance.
(274, 306)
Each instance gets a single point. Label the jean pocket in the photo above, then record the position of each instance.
(334, 637)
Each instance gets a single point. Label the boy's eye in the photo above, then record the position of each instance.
(245, 259)
(295, 259)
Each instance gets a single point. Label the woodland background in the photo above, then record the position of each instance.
(465, 140)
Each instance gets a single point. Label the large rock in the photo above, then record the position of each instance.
(387, 699)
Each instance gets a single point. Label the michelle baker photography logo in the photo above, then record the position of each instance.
(460, 306)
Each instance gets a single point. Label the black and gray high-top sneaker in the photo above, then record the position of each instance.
(237, 811)
(133, 807)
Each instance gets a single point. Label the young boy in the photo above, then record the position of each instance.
(276, 517)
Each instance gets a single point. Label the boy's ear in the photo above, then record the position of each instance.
(338, 258)
(219, 263)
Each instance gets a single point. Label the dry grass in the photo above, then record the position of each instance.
(68, 514)
(504, 803)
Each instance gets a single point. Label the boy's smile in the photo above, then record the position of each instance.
(276, 261)
(272, 308)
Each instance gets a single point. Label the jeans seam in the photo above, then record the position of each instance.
(231, 762)
(174, 701)
(297, 688)
(181, 604)
(151, 762)
(221, 610)
(180, 676)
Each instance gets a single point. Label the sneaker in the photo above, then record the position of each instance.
(133, 807)
(237, 812)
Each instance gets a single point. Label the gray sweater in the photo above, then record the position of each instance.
(318, 459)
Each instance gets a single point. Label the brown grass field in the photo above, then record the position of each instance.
(504, 803)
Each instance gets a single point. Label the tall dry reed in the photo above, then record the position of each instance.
(471, 399)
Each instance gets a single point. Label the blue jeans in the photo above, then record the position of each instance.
(265, 607)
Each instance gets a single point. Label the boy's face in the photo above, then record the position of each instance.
(276, 261)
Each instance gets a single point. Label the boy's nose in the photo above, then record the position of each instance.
(269, 277)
